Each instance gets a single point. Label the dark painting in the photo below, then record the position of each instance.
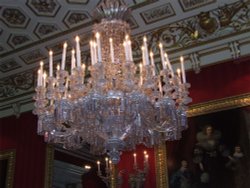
(213, 153)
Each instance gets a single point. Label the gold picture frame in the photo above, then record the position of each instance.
(196, 110)
(7, 161)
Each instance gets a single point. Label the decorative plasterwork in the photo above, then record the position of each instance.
(33, 56)
(199, 29)
(158, 13)
(9, 65)
(75, 18)
(188, 5)
(16, 85)
(44, 8)
(14, 17)
(44, 29)
(16, 40)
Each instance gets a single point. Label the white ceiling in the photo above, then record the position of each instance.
(29, 28)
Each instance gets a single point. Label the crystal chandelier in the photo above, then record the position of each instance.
(120, 105)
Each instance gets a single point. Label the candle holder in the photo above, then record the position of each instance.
(111, 178)
(138, 177)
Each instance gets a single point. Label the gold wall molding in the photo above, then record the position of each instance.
(49, 166)
(161, 166)
(9, 155)
(219, 105)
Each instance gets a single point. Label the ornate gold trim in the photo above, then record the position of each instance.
(113, 177)
(10, 155)
(49, 166)
(219, 105)
(161, 166)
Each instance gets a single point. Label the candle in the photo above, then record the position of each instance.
(143, 56)
(152, 63)
(83, 71)
(107, 162)
(41, 66)
(50, 63)
(78, 52)
(135, 162)
(98, 166)
(145, 50)
(141, 78)
(126, 51)
(162, 57)
(110, 165)
(64, 55)
(99, 51)
(178, 73)
(73, 60)
(92, 52)
(168, 64)
(39, 78)
(130, 51)
(58, 67)
(44, 79)
(183, 70)
(111, 50)
(146, 158)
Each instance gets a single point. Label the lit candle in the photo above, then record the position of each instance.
(92, 52)
(110, 164)
(152, 63)
(44, 79)
(135, 162)
(183, 70)
(58, 67)
(50, 63)
(145, 50)
(111, 50)
(41, 66)
(178, 73)
(143, 56)
(130, 51)
(39, 83)
(98, 166)
(107, 162)
(99, 51)
(64, 55)
(78, 52)
(168, 64)
(73, 60)
(162, 57)
(141, 78)
(126, 51)
(146, 159)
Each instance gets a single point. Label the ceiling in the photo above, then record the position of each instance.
(204, 32)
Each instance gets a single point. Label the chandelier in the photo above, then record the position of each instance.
(120, 105)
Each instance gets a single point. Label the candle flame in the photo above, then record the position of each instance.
(50, 52)
(77, 38)
(65, 45)
(98, 162)
(145, 39)
(181, 58)
(97, 35)
(160, 45)
(151, 54)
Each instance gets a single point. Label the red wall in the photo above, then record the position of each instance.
(20, 134)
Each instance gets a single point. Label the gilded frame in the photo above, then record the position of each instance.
(195, 110)
(10, 156)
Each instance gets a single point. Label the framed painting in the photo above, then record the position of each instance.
(7, 167)
(214, 151)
